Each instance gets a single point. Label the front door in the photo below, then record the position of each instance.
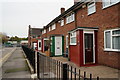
(89, 50)
(58, 45)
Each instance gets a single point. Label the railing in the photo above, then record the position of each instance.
(30, 54)
(51, 69)
(48, 68)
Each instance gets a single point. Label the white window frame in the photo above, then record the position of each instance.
(70, 18)
(44, 31)
(67, 41)
(73, 36)
(53, 26)
(49, 28)
(39, 48)
(62, 22)
(90, 32)
(91, 4)
(111, 36)
(110, 3)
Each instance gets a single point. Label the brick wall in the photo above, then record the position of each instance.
(61, 30)
(104, 19)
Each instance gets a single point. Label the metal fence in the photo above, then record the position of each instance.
(50, 69)
(30, 54)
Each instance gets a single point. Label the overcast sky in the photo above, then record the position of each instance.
(18, 14)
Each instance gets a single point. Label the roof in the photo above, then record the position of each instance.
(36, 31)
(74, 7)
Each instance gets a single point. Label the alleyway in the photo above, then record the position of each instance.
(16, 66)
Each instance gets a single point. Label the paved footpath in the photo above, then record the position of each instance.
(16, 66)
(98, 70)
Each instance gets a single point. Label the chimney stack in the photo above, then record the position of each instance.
(29, 26)
(62, 10)
(76, 1)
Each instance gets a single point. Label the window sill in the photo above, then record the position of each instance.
(52, 29)
(72, 44)
(91, 13)
(61, 25)
(69, 22)
(110, 5)
(112, 50)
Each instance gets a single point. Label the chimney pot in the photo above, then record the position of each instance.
(62, 10)
(76, 1)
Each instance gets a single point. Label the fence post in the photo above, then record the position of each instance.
(34, 63)
(65, 76)
(38, 76)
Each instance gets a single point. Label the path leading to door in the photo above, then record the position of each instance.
(16, 66)
(99, 70)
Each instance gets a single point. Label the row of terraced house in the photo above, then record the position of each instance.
(88, 33)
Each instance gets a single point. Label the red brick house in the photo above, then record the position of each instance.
(33, 34)
(88, 32)
(56, 29)
(98, 31)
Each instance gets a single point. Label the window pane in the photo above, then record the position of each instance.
(107, 39)
(73, 40)
(91, 8)
(62, 22)
(114, 1)
(116, 42)
(106, 3)
(49, 28)
(116, 32)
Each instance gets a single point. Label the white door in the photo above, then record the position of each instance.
(58, 45)
(34, 45)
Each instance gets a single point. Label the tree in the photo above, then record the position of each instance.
(4, 37)
(17, 39)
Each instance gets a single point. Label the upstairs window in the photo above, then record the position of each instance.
(70, 18)
(62, 22)
(112, 40)
(49, 28)
(73, 38)
(91, 8)
(53, 26)
(107, 3)
(44, 30)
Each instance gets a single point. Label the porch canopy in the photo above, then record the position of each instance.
(84, 28)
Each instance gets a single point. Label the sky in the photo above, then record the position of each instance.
(16, 15)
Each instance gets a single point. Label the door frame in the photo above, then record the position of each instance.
(61, 46)
(39, 48)
(89, 32)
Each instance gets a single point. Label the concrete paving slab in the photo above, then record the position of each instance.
(99, 70)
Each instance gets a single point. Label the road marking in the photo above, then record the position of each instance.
(2, 60)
